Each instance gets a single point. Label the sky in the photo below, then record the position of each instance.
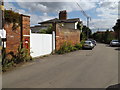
(103, 13)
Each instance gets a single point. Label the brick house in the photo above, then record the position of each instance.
(66, 23)
(20, 35)
(65, 29)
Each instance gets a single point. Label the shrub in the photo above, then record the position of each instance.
(78, 46)
(71, 47)
(12, 59)
(65, 48)
(12, 17)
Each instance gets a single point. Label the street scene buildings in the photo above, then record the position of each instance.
(59, 44)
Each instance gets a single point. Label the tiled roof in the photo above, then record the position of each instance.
(59, 21)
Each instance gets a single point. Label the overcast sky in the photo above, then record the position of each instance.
(103, 14)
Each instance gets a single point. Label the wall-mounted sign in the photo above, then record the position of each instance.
(1, 7)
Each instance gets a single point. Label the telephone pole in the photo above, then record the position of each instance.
(1, 14)
(88, 18)
(2, 31)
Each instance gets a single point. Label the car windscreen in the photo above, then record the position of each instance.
(115, 41)
(87, 42)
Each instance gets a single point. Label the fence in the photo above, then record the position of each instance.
(41, 44)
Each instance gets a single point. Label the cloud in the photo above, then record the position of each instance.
(35, 18)
(9, 5)
(56, 6)
(102, 23)
(107, 15)
(106, 12)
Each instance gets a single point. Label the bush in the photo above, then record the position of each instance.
(78, 46)
(12, 17)
(12, 59)
(65, 48)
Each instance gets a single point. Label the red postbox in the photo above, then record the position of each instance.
(26, 43)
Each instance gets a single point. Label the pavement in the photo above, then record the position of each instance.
(97, 68)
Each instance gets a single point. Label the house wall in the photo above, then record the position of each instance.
(41, 44)
(71, 25)
(14, 37)
(66, 35)
(76, 25)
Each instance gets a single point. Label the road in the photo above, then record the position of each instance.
(97, 68)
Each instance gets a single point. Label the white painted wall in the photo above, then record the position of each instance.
(71, 25)
(76, 25)
(41, 44)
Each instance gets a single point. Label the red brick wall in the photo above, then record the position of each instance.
(66, 35)
(14, 36)
(26, 31)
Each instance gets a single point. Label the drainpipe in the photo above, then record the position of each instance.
(21, 31)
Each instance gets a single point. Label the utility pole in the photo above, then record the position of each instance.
(1, 14)
(88, 18)
(119, 10)
(2, 28)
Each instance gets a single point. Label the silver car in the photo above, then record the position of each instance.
(114, 43)
(88, 45)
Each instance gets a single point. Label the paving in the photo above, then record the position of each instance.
(97, 68)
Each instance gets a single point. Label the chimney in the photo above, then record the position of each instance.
(63, 15)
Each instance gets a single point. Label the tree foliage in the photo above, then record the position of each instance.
(48, 30)
(104, 37)
(86, 32)
(79, 26)
(12, 17)
(117, 29)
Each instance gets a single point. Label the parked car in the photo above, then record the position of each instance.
(115, 43)
(88, 45)
(93, 41)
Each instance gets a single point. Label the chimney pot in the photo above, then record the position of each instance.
(63, 15)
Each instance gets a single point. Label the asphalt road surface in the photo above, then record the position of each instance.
(97, 68)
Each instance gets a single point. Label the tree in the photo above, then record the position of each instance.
(48, 30)
(104, 37)
(117, 29)
(86, 33)
(79, 26)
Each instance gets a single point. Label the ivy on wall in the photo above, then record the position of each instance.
(12, 17)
